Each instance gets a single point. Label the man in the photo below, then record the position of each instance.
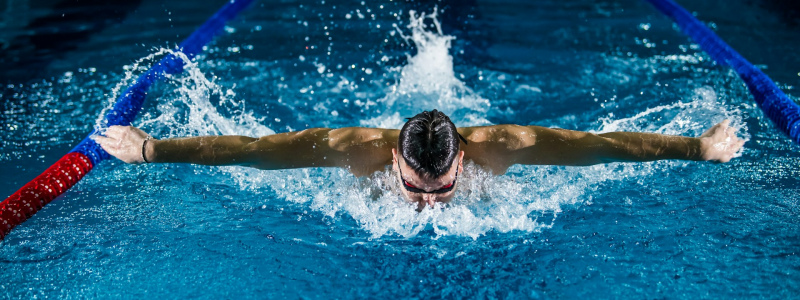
(427, 153)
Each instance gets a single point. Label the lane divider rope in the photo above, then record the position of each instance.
(71, 168)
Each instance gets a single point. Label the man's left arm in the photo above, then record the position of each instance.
(576, 148)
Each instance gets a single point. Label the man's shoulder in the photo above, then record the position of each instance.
(365, 133)
(504, 135)
(350, 136)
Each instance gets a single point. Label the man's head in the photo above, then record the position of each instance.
(427, 158)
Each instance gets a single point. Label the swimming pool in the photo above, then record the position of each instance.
(664, 229)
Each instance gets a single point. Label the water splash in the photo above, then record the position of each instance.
(132, 72)
(186, 109)
(428, 81)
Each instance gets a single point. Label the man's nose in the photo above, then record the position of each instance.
(429, 198)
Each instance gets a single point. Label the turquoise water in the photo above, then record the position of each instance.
(655, 230)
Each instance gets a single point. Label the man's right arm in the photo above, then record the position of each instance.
(361, 150)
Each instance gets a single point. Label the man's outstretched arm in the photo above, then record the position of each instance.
(719, 144)
(507, 145)
(358, 149)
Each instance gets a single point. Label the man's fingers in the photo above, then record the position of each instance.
(729, 131)
(104, 141)
(110, 145)
(714, 128)
(117, 131)
(114, 132)
(739, 145)
(724, 125)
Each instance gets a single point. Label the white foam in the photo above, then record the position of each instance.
(187, 109)
(483, 203)
(132, 72)
(428, 81)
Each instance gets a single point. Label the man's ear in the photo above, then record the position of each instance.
(395, 165)
(461, 159)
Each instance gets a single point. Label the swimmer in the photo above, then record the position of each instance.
(427, 153)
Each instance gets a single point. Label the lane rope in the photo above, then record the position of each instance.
(71, 168)
(784, 112)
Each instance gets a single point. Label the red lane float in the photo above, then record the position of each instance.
(54, 181)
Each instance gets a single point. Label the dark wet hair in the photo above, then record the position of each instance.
(429, 143)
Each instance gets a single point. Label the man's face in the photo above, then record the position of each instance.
(427, 185)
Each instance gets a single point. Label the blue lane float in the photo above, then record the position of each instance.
(784, 112)
(71, 168)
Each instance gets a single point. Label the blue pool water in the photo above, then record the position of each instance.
(667, 229)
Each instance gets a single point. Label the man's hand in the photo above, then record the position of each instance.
(124, 143)
(720, 143)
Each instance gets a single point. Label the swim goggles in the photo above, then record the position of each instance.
(411, 188)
